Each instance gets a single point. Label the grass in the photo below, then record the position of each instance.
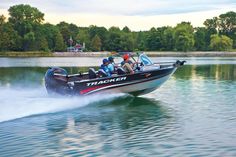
(26, 54)
(231, 53)
(232, 50)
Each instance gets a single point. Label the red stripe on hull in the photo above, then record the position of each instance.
(90, 89)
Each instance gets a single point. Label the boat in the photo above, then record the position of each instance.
(148, 77)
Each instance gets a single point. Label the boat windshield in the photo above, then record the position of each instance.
(145, 60)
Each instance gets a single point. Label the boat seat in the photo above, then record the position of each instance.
(120, 71)
(102, 73)
(92, 73)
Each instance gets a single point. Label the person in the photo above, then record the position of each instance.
(104, 67)
(111, 65)
(127, 64)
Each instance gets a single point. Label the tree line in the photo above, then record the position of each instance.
(25, 30)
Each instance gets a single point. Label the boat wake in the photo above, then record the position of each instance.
(19, 103)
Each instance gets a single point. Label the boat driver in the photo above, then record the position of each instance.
(127, 64)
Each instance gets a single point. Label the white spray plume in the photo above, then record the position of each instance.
(18, 103)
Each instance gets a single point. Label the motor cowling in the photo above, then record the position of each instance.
(56, 81)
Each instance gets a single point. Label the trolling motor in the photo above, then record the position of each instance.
(179, 63)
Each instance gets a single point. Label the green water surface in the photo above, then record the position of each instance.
(192, 114)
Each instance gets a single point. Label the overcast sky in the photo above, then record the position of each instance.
(136, 14)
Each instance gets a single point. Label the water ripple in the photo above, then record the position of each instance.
(191, 115)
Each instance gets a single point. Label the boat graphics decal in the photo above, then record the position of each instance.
(106, 81)
(85, 92)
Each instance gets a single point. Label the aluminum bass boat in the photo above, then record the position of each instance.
(147, 77)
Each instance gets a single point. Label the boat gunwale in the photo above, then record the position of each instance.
(117, 76)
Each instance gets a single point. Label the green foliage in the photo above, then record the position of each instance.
(184, 37)
(221, 43)
(168, 39)
(114, 39)
(28, 41)
(43, 44)
(101, 32)
(126, 29)
(140, 41)
(2, 20)
(211, 24)
(68, 31)
(83, 37)
(225, 24)
(24, 18)
(153, 41)
(126, 42)
(50, 33)
(25, 31)
(59, 43)
(200, 38)
(96, 43)
(9, 38)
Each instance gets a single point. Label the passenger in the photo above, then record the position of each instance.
(127, 64)
(105, 68)
(111, 65)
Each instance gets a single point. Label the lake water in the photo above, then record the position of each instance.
(192, 114)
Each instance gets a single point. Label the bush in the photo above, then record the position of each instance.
(221, 43)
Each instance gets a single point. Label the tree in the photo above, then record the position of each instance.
(49, 32)
(140, 41)
(4, 36)
(28, 41)
(126, 29)
(211, 24)
(227, 25)
(113, 42)
(221, 43)
(83, 37)
(9, 39)
(126, 42)
(200, 37)
(168, 38)
(24, 31)
(68, 30)
(25, 18)
(2, 20)
(101, 32)
(184, 37)
(114, 29)
(96, 43)
(59, 43)
(153, 41)
(43, 44)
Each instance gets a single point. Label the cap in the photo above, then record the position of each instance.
(126, 56)
(105, 61)
(111, 59)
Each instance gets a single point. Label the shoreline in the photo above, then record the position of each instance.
(106, 53)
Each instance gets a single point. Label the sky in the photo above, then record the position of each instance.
(136, 14)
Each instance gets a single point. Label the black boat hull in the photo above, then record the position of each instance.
(136, 84)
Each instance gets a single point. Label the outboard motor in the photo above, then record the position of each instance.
(56, 81)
